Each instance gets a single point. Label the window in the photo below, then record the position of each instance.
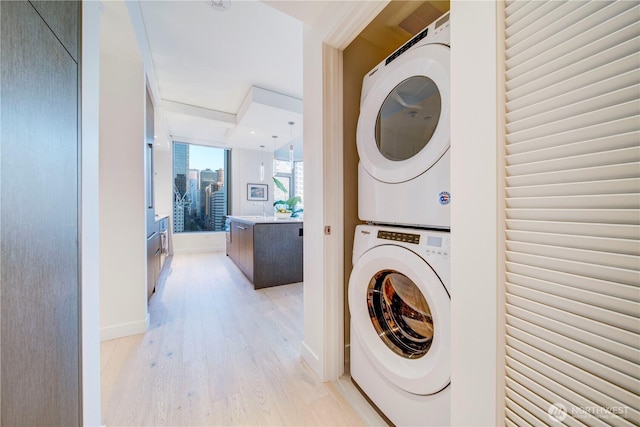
(282, 188)
(282, 180)
(298, 182)
(200, 183)
(288, 181)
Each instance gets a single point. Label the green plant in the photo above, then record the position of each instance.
(279, 184)
(286, 205)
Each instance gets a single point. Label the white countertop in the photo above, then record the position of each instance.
(259, 219)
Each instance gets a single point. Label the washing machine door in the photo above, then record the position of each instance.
(403, 128)
(400, 311)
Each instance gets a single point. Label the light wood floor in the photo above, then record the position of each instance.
(217, 353)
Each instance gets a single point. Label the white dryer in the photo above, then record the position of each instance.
(403, 134)
(400, 322)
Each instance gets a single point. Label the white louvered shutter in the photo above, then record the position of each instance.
(572, 208)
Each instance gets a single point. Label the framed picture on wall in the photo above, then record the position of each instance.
(258, 192)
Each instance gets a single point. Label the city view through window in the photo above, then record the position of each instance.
(199, 190)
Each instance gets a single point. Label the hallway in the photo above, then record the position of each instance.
(217, 353)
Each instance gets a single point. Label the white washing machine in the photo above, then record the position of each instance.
(403, 134)
(400, 322)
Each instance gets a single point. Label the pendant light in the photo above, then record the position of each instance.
(274, 153)
(262, 163)
(291, 145)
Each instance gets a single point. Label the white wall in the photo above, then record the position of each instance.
(123, 299)
(198, 242)
(473, 213)
(163, 179)
(245, 169)
(313, 349)
(163, 184)
(90, 214)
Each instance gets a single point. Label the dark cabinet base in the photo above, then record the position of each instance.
(277, 254)
(269, 254)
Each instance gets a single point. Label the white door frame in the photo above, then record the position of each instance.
(323, 345)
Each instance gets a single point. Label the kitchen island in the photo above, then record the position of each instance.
(268, 250)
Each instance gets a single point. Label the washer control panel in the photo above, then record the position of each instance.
(429, 243)
(399, 237)
(437, 245)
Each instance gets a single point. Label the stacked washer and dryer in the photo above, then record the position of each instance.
(399, 290)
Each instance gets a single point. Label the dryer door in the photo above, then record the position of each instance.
(400, 311)
(403, 128)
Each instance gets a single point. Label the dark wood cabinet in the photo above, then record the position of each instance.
(40, 319)
(240, 246)
(268, 253)
(245, 248)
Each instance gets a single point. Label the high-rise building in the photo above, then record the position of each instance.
(180, 167)
(217, 201)
(194, 191)
(178, 218)
(221, 177)
(207, 177)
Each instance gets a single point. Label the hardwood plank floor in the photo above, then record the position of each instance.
(217, 353)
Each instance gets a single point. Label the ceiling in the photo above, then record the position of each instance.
(233, 78)
(229, 78)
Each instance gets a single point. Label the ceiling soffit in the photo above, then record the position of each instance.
(186, 108)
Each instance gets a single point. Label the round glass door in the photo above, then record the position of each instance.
(408, 118)
(400, 314)
(404, 124)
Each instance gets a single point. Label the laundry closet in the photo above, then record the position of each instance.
(398, 336)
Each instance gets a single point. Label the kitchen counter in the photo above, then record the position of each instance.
(268, 250)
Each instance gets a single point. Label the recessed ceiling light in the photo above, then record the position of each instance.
(220, 5)
(253, 132)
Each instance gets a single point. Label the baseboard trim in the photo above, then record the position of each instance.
(124, 329)
(312, 359)
(199, 250)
